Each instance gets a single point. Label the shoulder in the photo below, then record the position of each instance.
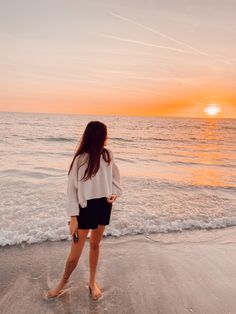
(80, 159)
(77, 158)
(109, 152)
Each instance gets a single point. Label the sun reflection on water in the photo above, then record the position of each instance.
(208, 153)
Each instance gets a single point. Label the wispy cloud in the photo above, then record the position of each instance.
(159, 33)
(143, 43)
(227, 61)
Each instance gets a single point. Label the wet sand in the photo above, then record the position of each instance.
(190, 272)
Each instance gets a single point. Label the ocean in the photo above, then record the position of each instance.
(176, 173)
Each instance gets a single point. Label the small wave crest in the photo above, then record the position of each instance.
(52, 139)
(119, 139)
(30, 174)
(117, 229)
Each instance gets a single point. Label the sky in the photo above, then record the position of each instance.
(118, 57)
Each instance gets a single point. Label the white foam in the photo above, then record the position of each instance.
(33, 212)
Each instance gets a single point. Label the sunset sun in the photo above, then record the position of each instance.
(212, 110)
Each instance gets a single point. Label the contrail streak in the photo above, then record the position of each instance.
(138, 42)
(159, 33)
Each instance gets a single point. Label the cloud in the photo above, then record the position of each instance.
(143, 43)
(155, 31)
(159, 33)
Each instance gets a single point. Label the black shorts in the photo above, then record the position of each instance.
(97, 212)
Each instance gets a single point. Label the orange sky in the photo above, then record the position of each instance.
(120, 58)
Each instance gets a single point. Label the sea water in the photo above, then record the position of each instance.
(176, 173)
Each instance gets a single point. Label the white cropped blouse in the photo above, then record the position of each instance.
(105, 183)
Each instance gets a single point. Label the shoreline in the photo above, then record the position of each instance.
(160, 236)
(182, 272)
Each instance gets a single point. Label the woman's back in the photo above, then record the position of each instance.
(103, 184)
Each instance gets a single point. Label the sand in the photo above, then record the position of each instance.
(190, 272)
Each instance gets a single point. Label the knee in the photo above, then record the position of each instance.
(94, 245)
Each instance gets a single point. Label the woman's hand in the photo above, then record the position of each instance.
(73, 225)
(111, 198)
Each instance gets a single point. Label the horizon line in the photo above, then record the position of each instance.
(115, 115)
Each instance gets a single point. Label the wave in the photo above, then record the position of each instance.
(125, 159)
(183, 140)
(157, 139)
(228, 128)
(119, 139)
(130, 140)
(52, 139)
(179, 162)
(16, 173)
(49, 169)
(182, 186)
(188, 163)
(14, 237)
(175, 226)
(59, 153)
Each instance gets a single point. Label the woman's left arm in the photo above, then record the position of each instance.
(116, 181)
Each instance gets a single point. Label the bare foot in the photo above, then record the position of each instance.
(95, 291)
(58, 289)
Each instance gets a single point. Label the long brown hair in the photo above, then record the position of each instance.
(92, 142)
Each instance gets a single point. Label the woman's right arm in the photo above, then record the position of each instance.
(72, 206)
(73, 225)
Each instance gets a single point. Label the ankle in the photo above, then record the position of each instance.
(64, 279)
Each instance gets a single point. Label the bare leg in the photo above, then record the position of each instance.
(71, 263)
(96, 236)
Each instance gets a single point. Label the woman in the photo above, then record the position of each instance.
(93, 185)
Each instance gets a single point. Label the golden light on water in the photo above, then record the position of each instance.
(212, 110)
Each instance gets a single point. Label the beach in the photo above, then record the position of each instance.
(188, 272)
(153, 82)
(170, 245)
